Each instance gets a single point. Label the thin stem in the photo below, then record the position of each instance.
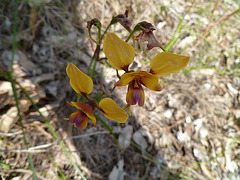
(94, 68)
(89, 67)
(90, 35)
(86, 97)
(171, 43)
(105, 31)
(53, 132)
(14, 87)
(162, 48)
(79, 98)
(118, 74)
(109, 129)
(129, 37)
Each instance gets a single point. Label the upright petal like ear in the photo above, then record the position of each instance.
(80, 82)
(165, 63)
(112, 111)
(119, 53)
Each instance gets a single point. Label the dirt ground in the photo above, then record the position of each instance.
(189, 130)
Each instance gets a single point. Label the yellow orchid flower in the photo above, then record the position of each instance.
(85, 111)
(83, 84)
(121, 54)
(135, 80)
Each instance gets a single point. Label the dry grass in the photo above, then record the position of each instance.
(191, 128)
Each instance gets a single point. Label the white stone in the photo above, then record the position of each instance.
(6, 87)
(188, 119)
(232, 89)
(203, 132)
(198, 123)
(207, 86)
(183, 137)
(141, 137)
(117, 171)
(168, 113)
(8, 119)
(124, 139)
(186, 41)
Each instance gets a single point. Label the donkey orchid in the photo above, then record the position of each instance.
(121, 54)
(83, 84)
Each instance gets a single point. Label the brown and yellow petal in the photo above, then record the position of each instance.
(112, 111)
(165, 63)
(125, 79)
(79, 119)
(151, 81)
(86, 108)
(135, 95)
(80, 82)
(119, 53)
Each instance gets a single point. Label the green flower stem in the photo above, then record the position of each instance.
(106, 31)
(94, 55)
(79, 98)
(90, 35)
(131, 35)
(53, 132)
(146, 154)
(94, 69)
(162, 48)
(99, 36)
(110, 131)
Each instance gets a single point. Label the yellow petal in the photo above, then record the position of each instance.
(112, 111)
(125, 79)
(80, 82)
(165, 63)
(85, 108)
(135, 95)
(119, 53)
(79, 119)
(150, 81)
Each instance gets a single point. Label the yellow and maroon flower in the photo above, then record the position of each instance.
(121, 54)
(83, 84)
(85, 111)
(135, 94)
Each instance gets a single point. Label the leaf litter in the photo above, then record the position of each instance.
(188, 130)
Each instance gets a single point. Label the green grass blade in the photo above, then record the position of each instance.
(59, 170)
(174, 38)
(173, 41)
(109, 129)
(11, 76)
(54, 133)
(5, 166)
